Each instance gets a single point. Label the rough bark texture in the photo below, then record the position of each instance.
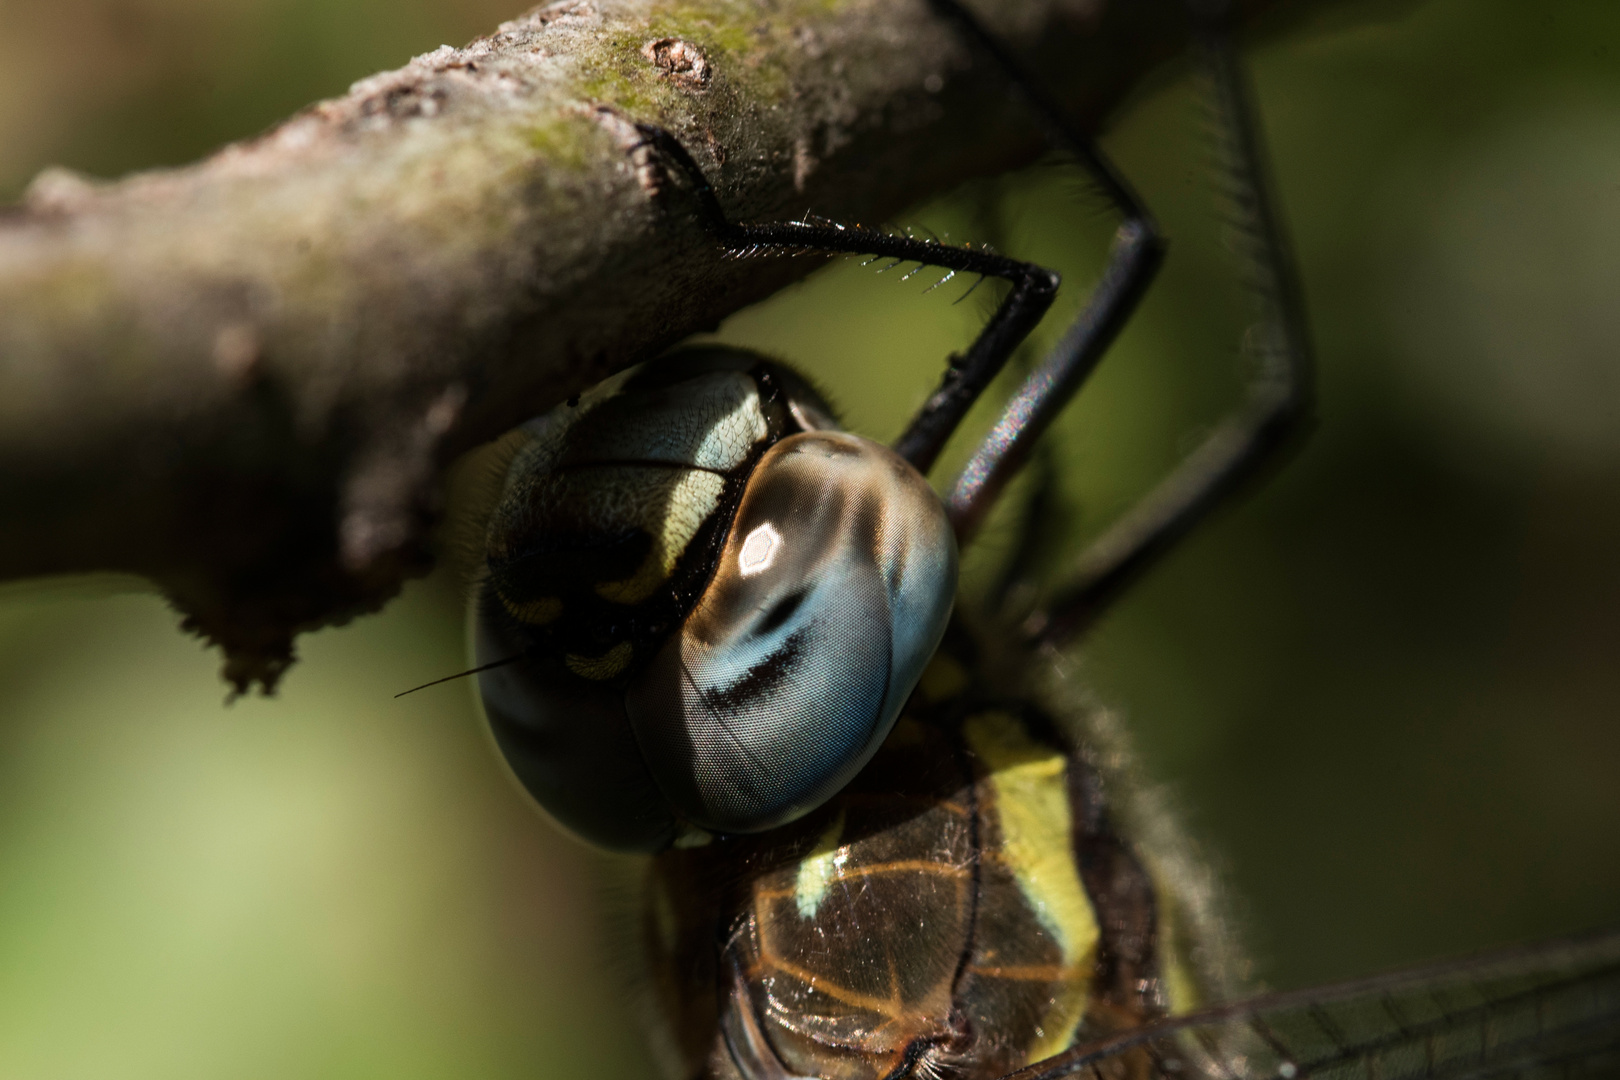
(242, 378)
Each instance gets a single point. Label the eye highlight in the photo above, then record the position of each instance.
(784, 679)
(781, 612)
(758, 550)
(716, 614)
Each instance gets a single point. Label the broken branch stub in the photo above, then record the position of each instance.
(242, 378)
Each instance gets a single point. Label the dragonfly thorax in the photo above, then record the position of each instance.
(963, 908)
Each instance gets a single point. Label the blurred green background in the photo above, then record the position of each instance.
(1384, 690)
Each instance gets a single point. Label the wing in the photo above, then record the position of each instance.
(1549, 1010)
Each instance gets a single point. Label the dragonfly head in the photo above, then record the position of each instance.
(715, 601)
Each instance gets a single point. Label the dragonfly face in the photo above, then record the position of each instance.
(704, 604)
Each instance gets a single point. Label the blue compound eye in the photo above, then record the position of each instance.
(831, 594)
(711, 607)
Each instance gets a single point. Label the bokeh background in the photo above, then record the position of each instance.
(1385, 690)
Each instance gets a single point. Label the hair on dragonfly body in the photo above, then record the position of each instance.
(716, 628)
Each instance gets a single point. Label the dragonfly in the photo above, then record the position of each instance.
(715, 628)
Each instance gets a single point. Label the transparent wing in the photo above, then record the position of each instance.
(1550, 1010)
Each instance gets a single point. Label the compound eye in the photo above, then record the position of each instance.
(833, 590)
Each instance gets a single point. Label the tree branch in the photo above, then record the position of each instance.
(242, 378)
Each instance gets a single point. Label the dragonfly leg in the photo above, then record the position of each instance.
(1277, 404)
(1134, 258)
(1039, 529)
(1033, 288)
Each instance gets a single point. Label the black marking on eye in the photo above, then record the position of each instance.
(781, 611)
(866, 522)
(742, 781)
(763, 678)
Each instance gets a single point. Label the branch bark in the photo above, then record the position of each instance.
(242, 378)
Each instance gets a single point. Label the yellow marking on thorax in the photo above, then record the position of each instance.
(1181, 985)
(534, 612)
(817, 870)
(1030, 793)
(601, 667)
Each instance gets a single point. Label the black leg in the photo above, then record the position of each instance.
(1041, 521)
(1275, 408)
(1136, 254)
(1033, 288)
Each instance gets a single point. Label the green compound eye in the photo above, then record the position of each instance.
(716, 603)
